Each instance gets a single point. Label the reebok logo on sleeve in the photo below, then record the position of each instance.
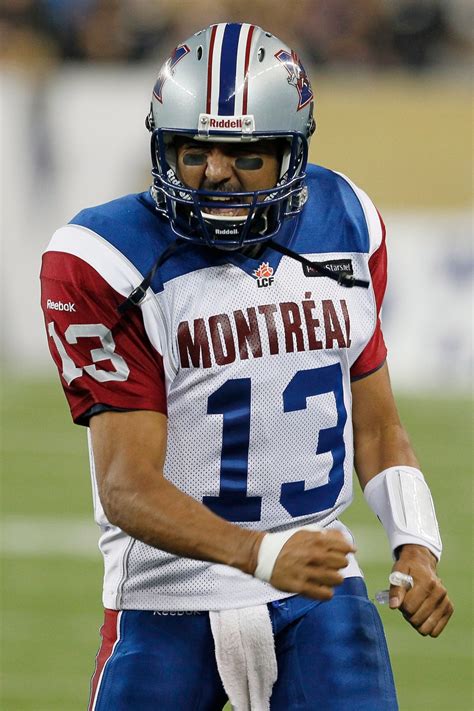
(61, 306)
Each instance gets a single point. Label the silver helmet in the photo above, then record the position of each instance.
(231, 82)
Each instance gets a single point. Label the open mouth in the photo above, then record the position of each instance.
(221, 210)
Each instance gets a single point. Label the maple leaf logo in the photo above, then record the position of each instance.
(264, 270)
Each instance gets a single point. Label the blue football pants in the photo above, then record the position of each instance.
(332, 656)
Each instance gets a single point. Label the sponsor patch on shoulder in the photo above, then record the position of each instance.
(338, 266)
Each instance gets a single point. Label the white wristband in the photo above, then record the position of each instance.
(401, 499)
(270, 548)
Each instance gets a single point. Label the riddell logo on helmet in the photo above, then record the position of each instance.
(225, 123)
(214, 122)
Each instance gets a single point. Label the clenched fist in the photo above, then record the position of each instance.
(310, 562)
(426, 606)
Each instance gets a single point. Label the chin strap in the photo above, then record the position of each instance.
(343, 278)
(139, 293)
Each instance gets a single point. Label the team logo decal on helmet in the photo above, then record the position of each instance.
(298, 77)
(168, 70)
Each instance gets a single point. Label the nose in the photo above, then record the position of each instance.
(219, 166)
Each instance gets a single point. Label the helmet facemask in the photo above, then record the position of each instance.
(188, 209)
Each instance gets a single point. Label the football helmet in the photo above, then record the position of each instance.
(231, 82)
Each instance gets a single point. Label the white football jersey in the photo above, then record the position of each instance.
(251, 360)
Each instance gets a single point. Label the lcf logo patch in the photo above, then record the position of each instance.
(264, 275)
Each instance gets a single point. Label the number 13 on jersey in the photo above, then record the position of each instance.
(233, 401)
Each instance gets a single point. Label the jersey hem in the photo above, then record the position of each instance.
(260, 594)
(280, 596)
(109, 600)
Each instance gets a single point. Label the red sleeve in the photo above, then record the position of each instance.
(102, 358)
(375, 352)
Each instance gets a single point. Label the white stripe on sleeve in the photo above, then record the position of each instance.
(372, 218)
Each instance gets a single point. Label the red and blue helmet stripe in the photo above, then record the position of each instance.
(228, 63)
(230, 46)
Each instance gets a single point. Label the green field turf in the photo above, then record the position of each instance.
(51, 607)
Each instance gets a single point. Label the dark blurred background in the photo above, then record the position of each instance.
(413, 34)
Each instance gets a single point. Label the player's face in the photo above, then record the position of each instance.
(228, 167)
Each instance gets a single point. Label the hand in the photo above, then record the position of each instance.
(426, 606)
(309, 563)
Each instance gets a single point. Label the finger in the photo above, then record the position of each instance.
(399, 588)
(423, 592)
(442, 613)
(325, 577)
(316, 591)
(428, 620)
(335, 540)
(412, 600)
(396, 596)
(332, 560)
(327, 540)
(439, 616)
(442, 623)
(320, 555)
(427, 608)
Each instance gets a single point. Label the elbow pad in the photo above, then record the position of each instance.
(401, 499)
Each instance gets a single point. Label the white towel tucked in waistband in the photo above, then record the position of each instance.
(245, 655)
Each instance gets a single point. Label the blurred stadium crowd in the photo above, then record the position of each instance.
(414, 34)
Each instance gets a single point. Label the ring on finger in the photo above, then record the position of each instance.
(401, 579)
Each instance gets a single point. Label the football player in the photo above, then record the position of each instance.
(220, 336)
